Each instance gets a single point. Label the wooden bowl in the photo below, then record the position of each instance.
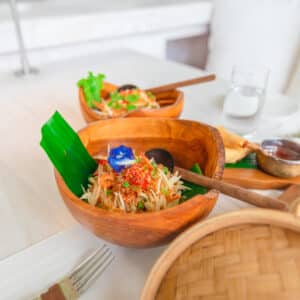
(171, 103)
(247, 254)
(189, 142)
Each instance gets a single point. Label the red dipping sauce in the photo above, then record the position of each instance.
(283, 149)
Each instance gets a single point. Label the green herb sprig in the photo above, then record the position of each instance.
(92, 86)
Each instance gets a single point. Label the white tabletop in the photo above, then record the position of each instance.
(30, 207)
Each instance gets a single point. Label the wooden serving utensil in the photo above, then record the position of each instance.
(171, 86)
(166, 88)
(164, 157)
(179, 84)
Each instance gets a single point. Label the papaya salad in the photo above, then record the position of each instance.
(116, 103)
(130, 182)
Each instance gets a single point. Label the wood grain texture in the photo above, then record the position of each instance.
(171, 103)
(54, 293)
(189, 142)
(176, 85)
(234, 190)
(256, 179)
(248, 254)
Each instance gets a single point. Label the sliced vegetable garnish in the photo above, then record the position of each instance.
(150, 95)
(92, 86)
(114, 98)
(141, 205)
(126, 184)
(108, 192)
(130, 107)
(132, 98)
(67, 153)
(194, 189)
(165, 170)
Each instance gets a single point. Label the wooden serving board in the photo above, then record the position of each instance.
(256, 179)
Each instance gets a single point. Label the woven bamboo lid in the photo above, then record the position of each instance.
(251, 254)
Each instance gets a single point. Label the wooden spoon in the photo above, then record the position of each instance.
(164, 157)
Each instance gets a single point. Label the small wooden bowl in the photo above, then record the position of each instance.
(246, 254)
(189, 142)
(171, 103)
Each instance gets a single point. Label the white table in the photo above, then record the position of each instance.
(30, 207)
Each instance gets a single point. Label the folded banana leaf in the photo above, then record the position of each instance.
(67, 153)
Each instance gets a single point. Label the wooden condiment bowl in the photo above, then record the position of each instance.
(188, 141)
(171, 105)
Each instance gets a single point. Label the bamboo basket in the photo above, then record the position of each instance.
(253, 254)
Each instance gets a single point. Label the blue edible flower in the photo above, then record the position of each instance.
(120, 158)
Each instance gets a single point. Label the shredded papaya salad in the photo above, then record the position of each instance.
(131, 182)
(116, 103)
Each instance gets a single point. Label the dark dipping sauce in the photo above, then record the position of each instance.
(282, 149)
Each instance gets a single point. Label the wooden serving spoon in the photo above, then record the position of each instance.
(171, 86)
(162, 156)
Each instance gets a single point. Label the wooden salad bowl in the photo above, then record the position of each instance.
(189, 142)
(171, 103)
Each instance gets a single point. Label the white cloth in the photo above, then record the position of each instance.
(259, 32)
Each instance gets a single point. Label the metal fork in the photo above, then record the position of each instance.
(81, 278)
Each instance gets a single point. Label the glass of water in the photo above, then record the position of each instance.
(245, 100)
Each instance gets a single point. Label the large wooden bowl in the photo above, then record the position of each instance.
(171, 105)
(188, 141)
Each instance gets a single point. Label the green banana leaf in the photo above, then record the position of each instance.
(194, 189)
(249, 162)
(67, 153)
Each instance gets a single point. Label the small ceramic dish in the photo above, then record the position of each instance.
(189, 142)
(171, 105)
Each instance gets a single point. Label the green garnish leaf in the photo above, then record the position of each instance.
(140, 205)
(126, 184)
(154, 164)
(92, 86)
(249, 162)
(131, 107)
(67, 153)
(165, 191)
(196, 169)
(138, 159)
(194, 189)
(116, 106)
(115, 96)
(154, 172)
(150, 95)
(108, 192)
(165, 170)
(132, 98)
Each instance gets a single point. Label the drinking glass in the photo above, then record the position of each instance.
(245, 99)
